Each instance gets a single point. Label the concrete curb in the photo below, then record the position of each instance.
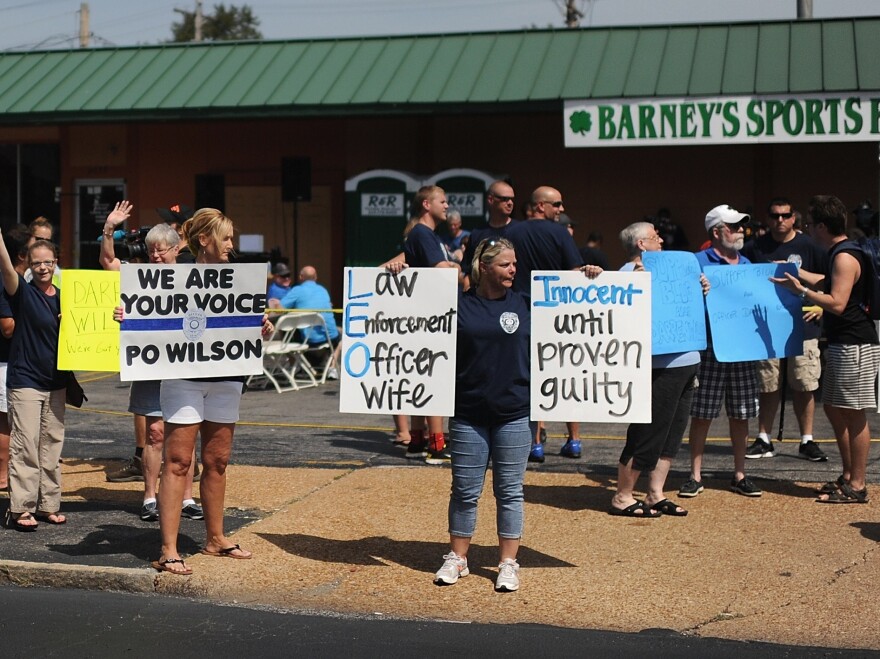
(85, 577)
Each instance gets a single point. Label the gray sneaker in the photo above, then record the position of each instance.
(508, 576)
(150, 512)
(745, 487)
(690, 488)
(454, 566)
(192, 511)
(132, 471)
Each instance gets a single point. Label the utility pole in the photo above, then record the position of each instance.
(84, 25)
(804, 9)
(199, 20)
(573, 15)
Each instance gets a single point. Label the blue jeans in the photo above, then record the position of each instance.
(471, 446)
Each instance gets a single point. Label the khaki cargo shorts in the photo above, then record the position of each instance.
(803, 371)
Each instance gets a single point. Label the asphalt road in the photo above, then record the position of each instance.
(303, 428)
(84, 624)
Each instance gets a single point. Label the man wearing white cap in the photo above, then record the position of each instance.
(736, 383)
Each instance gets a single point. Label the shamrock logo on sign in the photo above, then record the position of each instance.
(580, 122)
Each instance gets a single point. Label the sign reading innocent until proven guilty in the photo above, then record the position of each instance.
(191, 321)
(398, 341)
(591, 347)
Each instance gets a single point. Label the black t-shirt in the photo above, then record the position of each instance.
(541, 245)
(34, 353)
(593, 256)
(492, 362)
(854, 326)
(800, 250)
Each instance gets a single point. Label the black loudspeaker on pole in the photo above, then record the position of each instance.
(211, 191)
(296, 179)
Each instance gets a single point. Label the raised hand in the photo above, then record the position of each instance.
(120, 213)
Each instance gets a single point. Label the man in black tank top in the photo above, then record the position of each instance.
(852, 357)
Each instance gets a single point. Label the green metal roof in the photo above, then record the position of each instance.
(523, 70)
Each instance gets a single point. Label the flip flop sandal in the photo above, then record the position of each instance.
(667, 507)
(633, 511)
(226, 553)
(59, 518)
(11, 521)
(162, 566)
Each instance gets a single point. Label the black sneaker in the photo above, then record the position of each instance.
(438, 456)
(760, 449)
(745, 487)
(416, 449)
(811, 451)
(691, 488)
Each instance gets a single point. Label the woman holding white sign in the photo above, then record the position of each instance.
(491, 411)
(209, 405)
(35, 391)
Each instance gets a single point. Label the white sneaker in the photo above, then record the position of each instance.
(332, 374)
(454, 566)
(508, 575)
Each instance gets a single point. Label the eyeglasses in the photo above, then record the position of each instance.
(502, 198)
(159, 252)
(783, 216)
(555, 204)
(655, 237)
(43, 264)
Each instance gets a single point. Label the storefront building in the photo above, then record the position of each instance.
(622, 120)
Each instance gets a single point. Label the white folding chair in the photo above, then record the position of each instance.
(280, 351)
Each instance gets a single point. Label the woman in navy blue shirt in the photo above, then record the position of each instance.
(36, 391)
(491, 411)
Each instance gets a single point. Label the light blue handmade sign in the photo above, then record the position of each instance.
(750, 317)
(678, 317)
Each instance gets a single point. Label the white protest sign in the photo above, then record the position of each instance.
(398, 341)
(191, 321)
(591, 347)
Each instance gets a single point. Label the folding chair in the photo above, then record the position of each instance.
(280, 351)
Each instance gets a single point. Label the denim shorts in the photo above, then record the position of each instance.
(143, 398)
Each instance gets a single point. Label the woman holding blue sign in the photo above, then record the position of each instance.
(652, 446)
(206, 405)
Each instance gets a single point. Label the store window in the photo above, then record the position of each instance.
(29, 174)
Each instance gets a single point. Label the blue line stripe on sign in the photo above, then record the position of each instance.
(216, 322)
(152, 324)
(163, 324)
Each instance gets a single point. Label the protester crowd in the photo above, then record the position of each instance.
(834, 280)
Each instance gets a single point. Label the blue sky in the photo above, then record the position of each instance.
(28, 24)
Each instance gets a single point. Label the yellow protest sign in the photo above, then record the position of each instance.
(89, 337)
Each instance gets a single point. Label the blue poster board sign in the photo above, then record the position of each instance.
(678, 317)
(750, 317)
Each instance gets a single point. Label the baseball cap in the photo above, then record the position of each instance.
(566, 221)
(724, 214)
(176, 214)
(280, 269)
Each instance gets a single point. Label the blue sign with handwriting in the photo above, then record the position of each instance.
(750, 317)
(678, 317)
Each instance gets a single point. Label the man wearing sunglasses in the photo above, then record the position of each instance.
(783, 243)
(499, 203)
(542, 243)
(736, 383)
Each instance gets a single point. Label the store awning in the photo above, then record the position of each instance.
(518, 71)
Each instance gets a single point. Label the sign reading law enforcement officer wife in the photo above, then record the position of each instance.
(398, 341)
(191, 321)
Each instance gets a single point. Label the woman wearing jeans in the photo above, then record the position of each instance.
(491, 411)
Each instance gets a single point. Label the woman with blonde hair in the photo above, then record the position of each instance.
(206, 405)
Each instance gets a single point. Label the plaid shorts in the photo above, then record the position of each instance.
(735, 382)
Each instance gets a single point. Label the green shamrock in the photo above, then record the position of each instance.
(580, 122)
